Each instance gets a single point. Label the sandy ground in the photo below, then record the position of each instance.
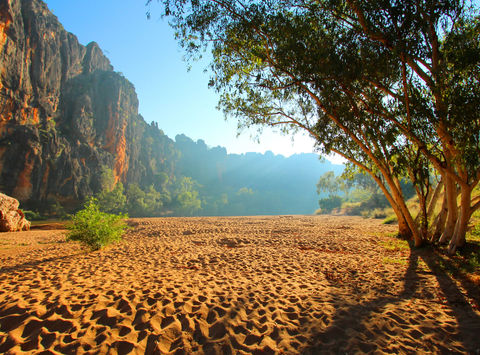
(240, 285)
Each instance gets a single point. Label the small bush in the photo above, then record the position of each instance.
(33, 216)
(365, 214)
(378, 213)
(330, 203)
(352, 208)
(95, 228)
(390, 219)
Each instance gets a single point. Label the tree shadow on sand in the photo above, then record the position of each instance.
(351, 329)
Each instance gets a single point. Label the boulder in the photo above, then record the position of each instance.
(12, 218)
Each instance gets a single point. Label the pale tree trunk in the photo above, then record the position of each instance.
(423, 222)
(405, 214)
(406, 224)
(458, 239)
(433, 201)
(451, 192)
(404, 229)
(422, 189)
(431, 210)
(440, 220)
(397, 194)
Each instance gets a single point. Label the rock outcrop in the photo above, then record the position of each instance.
(64, 113)
(11, 217)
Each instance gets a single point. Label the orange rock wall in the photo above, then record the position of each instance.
(116, 142)
(64, 113)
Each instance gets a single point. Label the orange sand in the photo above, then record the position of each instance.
(241, 285)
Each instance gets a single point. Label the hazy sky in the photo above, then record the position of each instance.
(147, 54)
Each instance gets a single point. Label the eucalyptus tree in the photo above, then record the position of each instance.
(392, 86)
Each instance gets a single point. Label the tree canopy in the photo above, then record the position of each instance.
(392, 86)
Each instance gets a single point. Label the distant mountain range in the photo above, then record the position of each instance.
(252, 183)
(67, 120)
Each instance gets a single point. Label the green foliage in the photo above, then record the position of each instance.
(95, 228)
(390, 219)
(395, 244)
(153, 201)
(136, 201)
(352, 208)
(328, 184)
(113, 201)
(190, 178)
(377, 213)
(56, 210)
(178, 197)
(187, 201)
(374, 201)
(33, 216)
(473, 262)
(362, 195)
(107, 179)
(359, 195)
(474, 233)
(161, 181)
(329, 203)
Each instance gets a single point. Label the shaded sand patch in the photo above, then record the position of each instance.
(239, 285)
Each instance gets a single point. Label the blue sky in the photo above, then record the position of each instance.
(147, 54)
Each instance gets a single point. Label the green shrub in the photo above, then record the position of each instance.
(365, 214)
(33, 216)
(352, 208)
(113, 201)
(330, 203)
(95, 228)
(390, 219)
(378, 213)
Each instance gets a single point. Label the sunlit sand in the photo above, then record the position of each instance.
(240, 285)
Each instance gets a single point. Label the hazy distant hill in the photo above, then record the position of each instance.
(70, 128)
(252, 183)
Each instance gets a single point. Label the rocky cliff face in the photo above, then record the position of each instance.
(64, 112)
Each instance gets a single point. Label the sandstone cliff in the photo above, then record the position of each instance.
(64, 113)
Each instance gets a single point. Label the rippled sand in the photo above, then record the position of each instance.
(239, 285)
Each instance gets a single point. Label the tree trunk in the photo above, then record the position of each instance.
(397, 195)
(433, 201)
(403, 228)
(406, 224)
(417, 238)
(440, 220)
(458, 239)
(451, 192)
(423, 222)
